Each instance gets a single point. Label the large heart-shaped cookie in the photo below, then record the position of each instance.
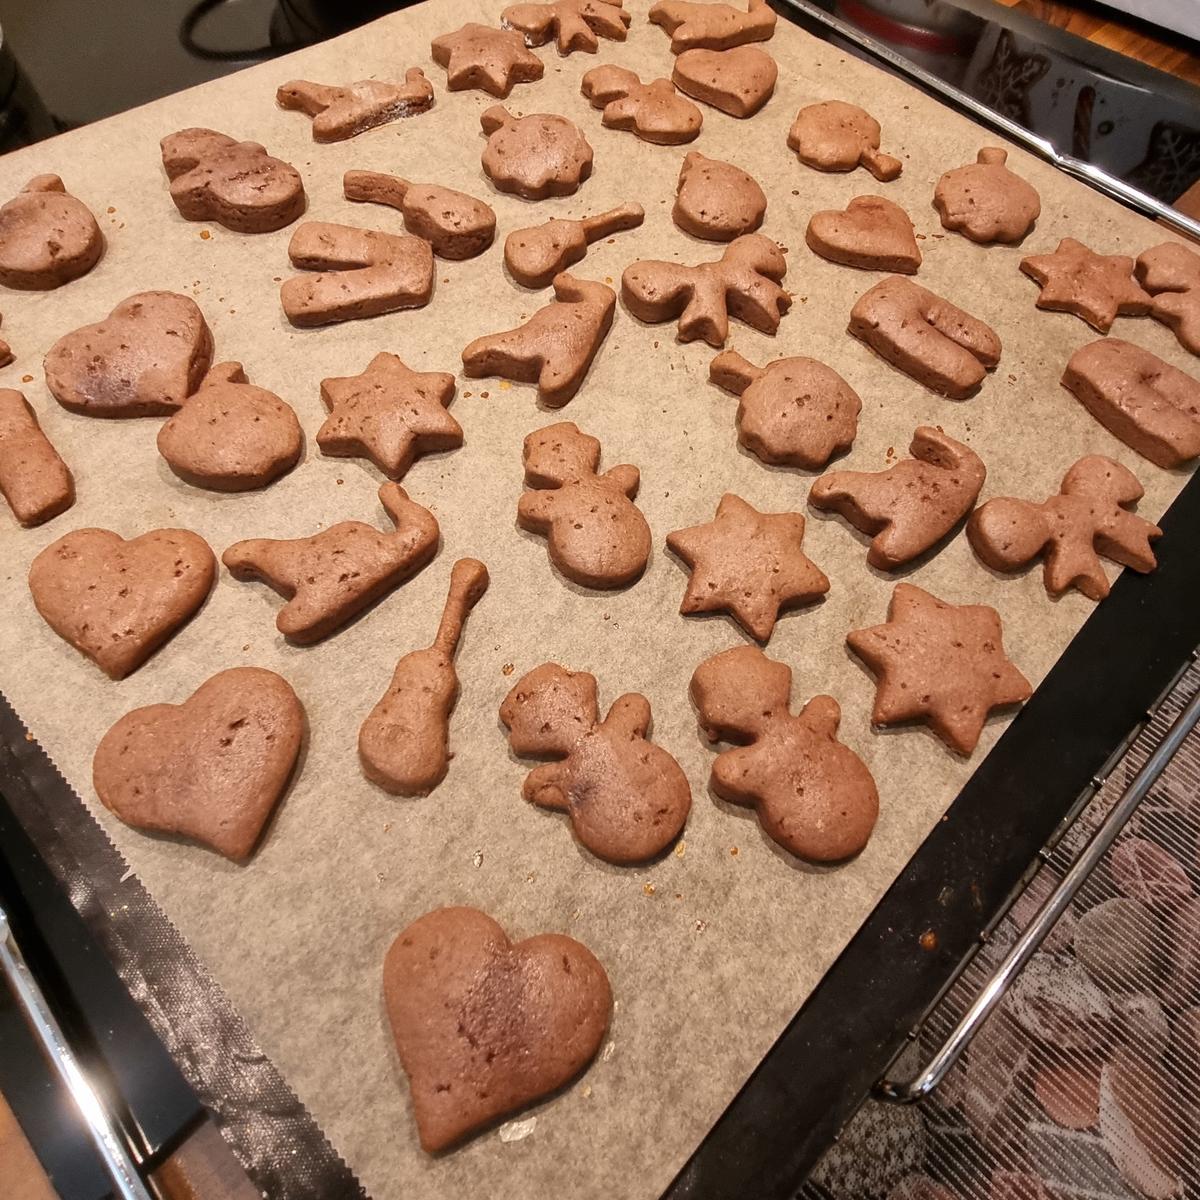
(211, 768)
(872, 233)
(484, 1027)
(117, 601)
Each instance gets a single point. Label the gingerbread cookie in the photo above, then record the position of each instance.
(388, 414)
(403, 744)
(555, 347)
(143, 360)
(627, 798)
(536, 156)
(926, 337)
(715, 200)
(47, 237)
(940, 663)
(1171, 274)
(456, 225)
(749, 564)
(813, 795)
(235, 184)
(738, 82)
(1095, 287)
(574, 24)
(1088, 517)
(794, 412)
(231, 436)
(742, 283)
(597, 536)
(870, 233)
(343, 112)
(33, 478)
(654, 111)
(1150, 405)
(535, 255)
(484, 1026)
(709, 26)
(361, 273)
(333, 575)
(985, 201)
(117, 601)
(492, 60)
(836, 136)
(909, 507)
(211, 769)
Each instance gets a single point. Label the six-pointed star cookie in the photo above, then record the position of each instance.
(938, 662)
(1096, 287)
(492, 60)
(389, 414)
(748, 564)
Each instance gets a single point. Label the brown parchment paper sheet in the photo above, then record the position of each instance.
(711, 950)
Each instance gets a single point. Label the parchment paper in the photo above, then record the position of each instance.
(711, 950)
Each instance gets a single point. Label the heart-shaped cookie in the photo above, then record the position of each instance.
(212, 768)
(738, 81)
(117, 601)
(871, 233)
(143, 360)
(484, 1027)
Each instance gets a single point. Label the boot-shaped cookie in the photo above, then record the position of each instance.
(341, 112)
(535, 255)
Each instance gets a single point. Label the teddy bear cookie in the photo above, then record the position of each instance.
(985, 201)
(34, 479)
(738, 81)
(573, 24)
(332, 576)
(627, 798)
(836, 136)
(1171, 274)
(743, 282)
(653, 111)
(143, 360)
(47, 237)
(597, 537)
(911, 506)
(710, 26)
(536, 254)
(813, 794)
(940, 663)
(235, 184)
(492, 60)
(1089, 517)
(870, 233)
(404, 744)
(1097, 288)
(211, 769)
(339, 113)
(484, 1026)
(534, 157)
(715, 200)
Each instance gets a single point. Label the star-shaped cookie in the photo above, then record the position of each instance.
(492, 60)
(1096, 287)
(941, 663)
(389, 414)
(748, 564)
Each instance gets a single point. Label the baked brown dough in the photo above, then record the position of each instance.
(341, 112)
(33, 478)
(47, 237)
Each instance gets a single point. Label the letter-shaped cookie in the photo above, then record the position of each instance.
(836, 136)
(909, 507)
(1171, 274)
(1097, 288)
(710, 26)
(870, 233)
(716, 200)
(743, 283)
(33, 478)
(555, 347)
(654, 111)
(333, 575)
(985, 201)
(456, 225)
(404, 744)
(536, 156)
(597, 535)
(627, 798)
(485, 1026)
(574, 24)
(47, 237)
(211, 769)
(813, 795)
(1150, 405)
(738, 82)
(236, 184)
(1088, 518)
(926, 337)
(362, 273)
(342, 112)
(536, 254)
(492, 60)
(794, 412)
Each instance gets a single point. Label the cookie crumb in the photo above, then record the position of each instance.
(483, 395)
(609, 1049)
(531, 877)
(507, 669)
(733, 850)
(111, 209)
(387, 827)
(205, 235)
(514, 1131)
(477, 859)
(648, 888)
(26, 378)
(587, 1090)
(680, 848)
(245, 647)
(701, 926)
(678, 895)
(929, 940)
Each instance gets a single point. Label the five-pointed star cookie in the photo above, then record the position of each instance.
(748, 564)
(492, 60)
(1096, 287)
(941, 663)
(389, 414)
